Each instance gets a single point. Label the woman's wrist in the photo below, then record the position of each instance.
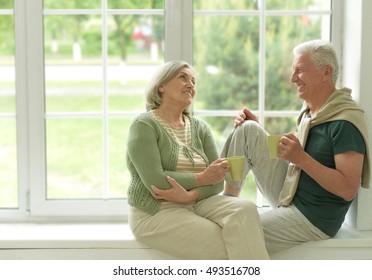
(199, 179)
(194, 195)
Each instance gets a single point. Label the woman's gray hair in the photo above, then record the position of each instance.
(322, 53)
(165, 73)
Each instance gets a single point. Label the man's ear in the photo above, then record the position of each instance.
(328, 73)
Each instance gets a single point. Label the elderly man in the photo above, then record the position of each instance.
(320, 168)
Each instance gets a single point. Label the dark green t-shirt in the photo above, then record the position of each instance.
(323, 209)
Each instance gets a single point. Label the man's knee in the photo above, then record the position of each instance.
(248, 128)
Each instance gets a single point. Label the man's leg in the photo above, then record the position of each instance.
(285, 227)
(249, 140)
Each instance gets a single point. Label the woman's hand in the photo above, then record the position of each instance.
(176, 193)
(244, 115)
(213, 174)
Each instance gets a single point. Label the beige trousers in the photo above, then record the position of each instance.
(218, 227)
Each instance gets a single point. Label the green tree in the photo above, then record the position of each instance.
(231, 44)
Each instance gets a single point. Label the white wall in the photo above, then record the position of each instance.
(357, 59)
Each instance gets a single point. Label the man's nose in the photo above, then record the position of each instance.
(293, 77)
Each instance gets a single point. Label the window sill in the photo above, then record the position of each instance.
(115, 241)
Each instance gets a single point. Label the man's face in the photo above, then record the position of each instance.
(306, 76)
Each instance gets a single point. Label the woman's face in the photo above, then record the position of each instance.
(179, 91)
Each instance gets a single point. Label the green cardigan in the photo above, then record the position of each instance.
(152, 155)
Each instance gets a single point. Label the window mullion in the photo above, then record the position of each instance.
(178, 30)
(35, 102)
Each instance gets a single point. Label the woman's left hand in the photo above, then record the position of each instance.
(176, 193)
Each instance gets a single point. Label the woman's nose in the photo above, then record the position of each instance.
(190, 84)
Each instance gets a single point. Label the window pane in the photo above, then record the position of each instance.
(8, 129)
(73, 69)
(280, 125)
(280, 92)
(223, 4)
(74, 158)
(7, 69)
(95, 75)
(6, 4)
(221, 128)
(8, 164)
(119, 177)
(135, 4)
(72, 4)
(135, 49)
(227, 66)
(298, 4)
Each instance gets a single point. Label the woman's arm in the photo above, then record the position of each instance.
(144, 155)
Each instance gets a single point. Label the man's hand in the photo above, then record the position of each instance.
(243, 116)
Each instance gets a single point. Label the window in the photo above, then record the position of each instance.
(81, 69)
(243, 54)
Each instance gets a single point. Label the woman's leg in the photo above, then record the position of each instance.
(178, 231)
(240, 226)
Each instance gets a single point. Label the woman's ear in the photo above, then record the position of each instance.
(161, 89)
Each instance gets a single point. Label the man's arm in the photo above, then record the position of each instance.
(343, 180)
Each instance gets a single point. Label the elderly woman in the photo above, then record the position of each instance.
(177, 177)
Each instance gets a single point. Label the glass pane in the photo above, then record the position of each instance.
(298, 4)
(8, 164)
(119, 177)
(135, 4)
(227, 66)
(280, 92)
(135, 49)
(84, 78)
(223, 4)
(7, 66)
(72, 4)
(6, 4)
(73, 69)
(280, 125)
(8, 128)
(74, 158)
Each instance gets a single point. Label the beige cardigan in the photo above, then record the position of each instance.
(339, 106)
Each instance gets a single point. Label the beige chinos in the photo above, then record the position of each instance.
(283, 227)
(218, 227)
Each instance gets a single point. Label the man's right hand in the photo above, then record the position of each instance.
(243, 116)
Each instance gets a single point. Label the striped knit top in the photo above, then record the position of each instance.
(188, 158)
